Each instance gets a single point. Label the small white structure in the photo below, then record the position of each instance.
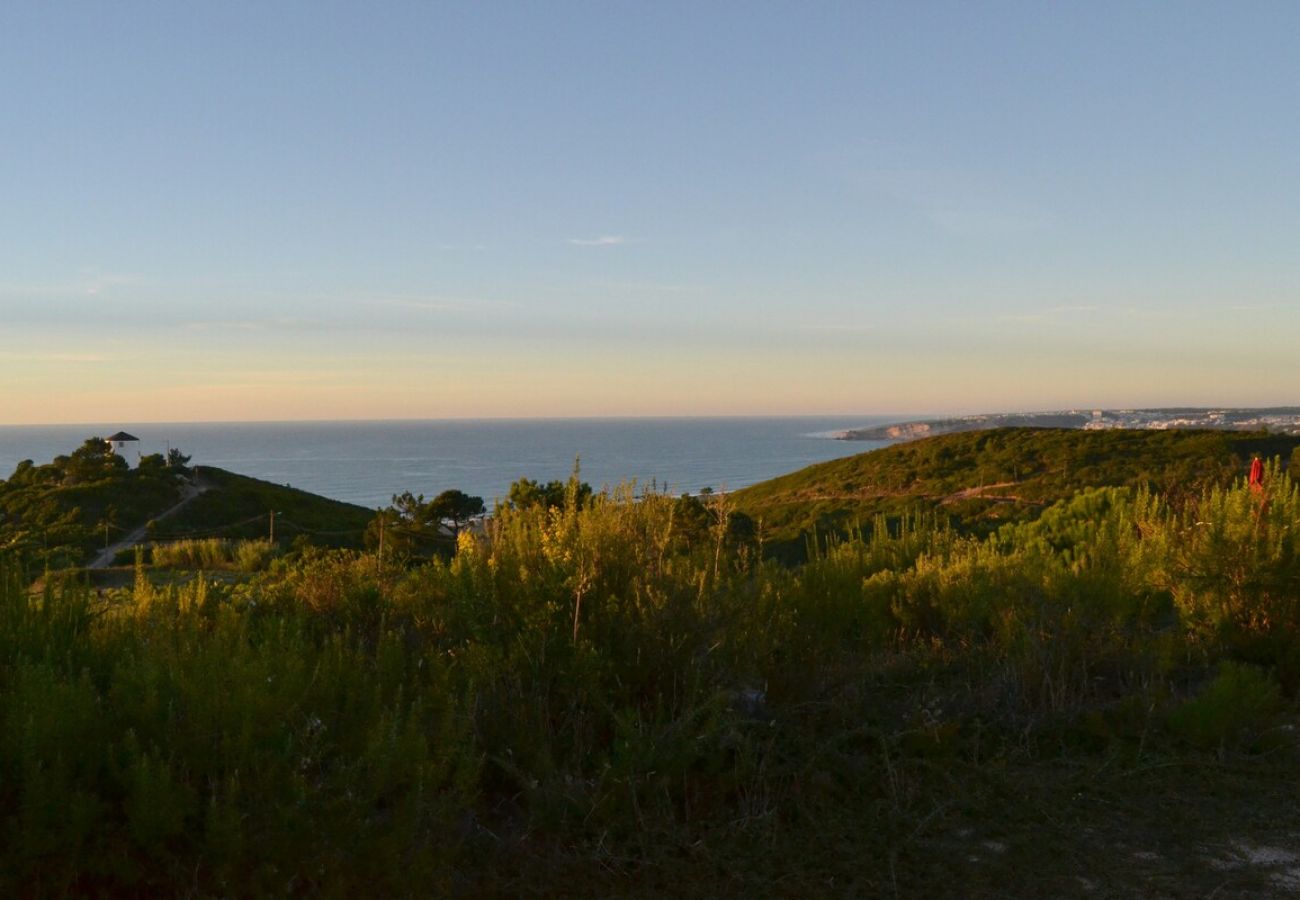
(117, 442)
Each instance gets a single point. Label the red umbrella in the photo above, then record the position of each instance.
(1257, 474)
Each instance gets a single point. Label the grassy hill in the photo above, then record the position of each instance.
(58, 514)
(978, 480)
(237, 506)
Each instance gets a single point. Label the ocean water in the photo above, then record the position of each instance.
(369, 462)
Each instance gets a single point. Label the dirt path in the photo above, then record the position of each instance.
(978, 491)
(105, 559)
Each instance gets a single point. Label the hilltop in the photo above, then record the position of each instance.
(980, 479)
(60, 514)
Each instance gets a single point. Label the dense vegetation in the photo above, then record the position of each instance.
(621, 695)
(413, 526)
(58, 513)
(979, 480)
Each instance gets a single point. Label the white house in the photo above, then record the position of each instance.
(117, 443)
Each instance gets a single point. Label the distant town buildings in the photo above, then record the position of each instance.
(1280, 420)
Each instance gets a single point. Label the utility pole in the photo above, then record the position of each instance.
(272, 526)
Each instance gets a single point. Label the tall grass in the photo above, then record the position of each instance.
(155, 741)
(615, 683)
(210, 554)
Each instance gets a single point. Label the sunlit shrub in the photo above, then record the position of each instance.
(201, 553)
(253, 556)
(1233, 565)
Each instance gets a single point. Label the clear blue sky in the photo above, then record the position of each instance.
(320, 210)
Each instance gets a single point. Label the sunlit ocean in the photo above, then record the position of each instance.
(368, 462)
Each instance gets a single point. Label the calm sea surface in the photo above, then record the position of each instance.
(368, 462)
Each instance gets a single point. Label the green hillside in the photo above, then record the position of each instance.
(237, 506)
(61, 513)
(58, 513)
(978, 480)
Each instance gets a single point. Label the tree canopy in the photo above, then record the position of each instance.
(527, 493)
(414, 526)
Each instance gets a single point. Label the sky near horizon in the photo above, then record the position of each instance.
(251, 211)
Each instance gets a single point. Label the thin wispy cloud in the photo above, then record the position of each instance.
(86, 286)
(445, 304)
(604, 240)
(6, 356)
(1158, 315)
(838, 328)
(365, 301)
(1049, 314)
(650, 287)
(274, 323)
(351, 312)
(964, 204)
(286, 376)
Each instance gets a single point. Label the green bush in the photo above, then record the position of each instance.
(253, 556)
(1238, 704)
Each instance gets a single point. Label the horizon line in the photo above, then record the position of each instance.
(909, 416)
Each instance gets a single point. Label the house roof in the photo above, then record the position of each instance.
(120, 437)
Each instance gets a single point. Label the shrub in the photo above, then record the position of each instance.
(1238, 704)
(205, 553)
(254, 556)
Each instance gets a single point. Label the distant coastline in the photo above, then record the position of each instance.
(1280, 420)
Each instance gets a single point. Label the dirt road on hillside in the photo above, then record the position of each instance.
(105, 558)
